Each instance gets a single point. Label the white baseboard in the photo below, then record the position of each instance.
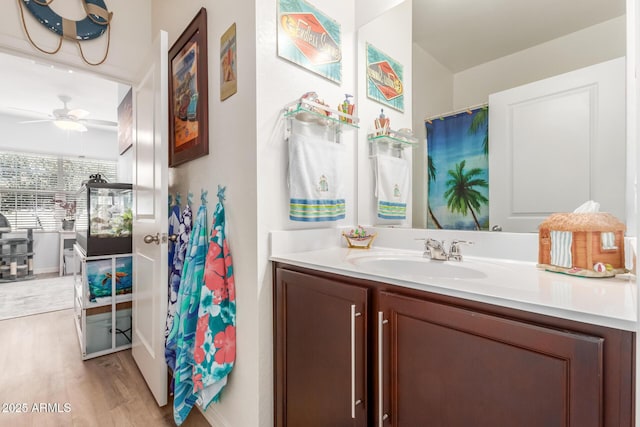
(214, 418)
(45, 270)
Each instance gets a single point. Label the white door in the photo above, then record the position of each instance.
(150, 218)
(568, 132)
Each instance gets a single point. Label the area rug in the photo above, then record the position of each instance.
(27, 297)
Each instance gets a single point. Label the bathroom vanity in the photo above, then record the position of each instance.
(477, 343)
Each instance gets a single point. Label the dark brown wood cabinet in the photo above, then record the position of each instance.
(320, 351)
(424, 359)
(447, 366)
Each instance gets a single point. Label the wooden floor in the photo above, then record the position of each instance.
(41, 371)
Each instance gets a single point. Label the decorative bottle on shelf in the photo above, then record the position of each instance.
(382, 124)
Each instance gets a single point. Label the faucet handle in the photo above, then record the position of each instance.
(456, 243)
(464, 242)
(454, 250)
(429, 241)
(434, 241)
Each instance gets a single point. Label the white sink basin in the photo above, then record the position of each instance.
(414, 266)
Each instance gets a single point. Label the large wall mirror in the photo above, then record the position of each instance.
(464, 51)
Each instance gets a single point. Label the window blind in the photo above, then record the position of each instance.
(29, 183)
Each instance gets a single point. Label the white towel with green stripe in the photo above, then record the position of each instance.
(393, 185)
(316, 187)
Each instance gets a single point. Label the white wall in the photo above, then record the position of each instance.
(231, 162)
(586, 47)
(371, 9)
(390, 33)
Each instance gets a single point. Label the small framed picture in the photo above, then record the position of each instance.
(228, 63)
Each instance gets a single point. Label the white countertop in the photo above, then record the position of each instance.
(520, 285)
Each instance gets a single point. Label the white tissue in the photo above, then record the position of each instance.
(588, 207)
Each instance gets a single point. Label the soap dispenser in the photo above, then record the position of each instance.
(347, 107)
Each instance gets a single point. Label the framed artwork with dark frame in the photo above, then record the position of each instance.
(188, 93)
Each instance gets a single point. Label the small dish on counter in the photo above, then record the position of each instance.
(359, 238)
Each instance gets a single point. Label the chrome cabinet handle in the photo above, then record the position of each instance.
(354, 402)
(381, 415)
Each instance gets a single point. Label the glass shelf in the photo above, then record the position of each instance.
(310, 112)
(395, 138)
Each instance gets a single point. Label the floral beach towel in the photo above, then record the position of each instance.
(186, 319)
(215, 348)
(175, 275)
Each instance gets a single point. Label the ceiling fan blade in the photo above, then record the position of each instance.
(99, 122)
(78, 113)
(34, 121)
(39, 113)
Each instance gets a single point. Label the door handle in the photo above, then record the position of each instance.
(172, 237)
(148, 239)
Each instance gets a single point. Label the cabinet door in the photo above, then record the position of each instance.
(448, 366)
(320, 351)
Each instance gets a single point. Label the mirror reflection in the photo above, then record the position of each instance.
(468, 53)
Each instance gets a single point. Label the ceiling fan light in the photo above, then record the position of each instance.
(70, 125)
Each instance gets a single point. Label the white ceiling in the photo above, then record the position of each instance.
(30, 89)
(461, 34)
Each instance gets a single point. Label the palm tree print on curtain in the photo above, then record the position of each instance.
(458, 175)
(463, 193)
(431, 177)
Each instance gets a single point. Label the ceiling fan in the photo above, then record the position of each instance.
(67, 119)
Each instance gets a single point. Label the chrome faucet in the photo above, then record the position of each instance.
(434, 249)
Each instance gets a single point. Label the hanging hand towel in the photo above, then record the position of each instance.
(186, 320)
(315, 179)
(392, 187)
(215, 348)
(181, 245)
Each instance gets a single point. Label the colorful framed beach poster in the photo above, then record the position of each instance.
(385, 79)
(228, 63)
(309, 38)
(188, 93)
(458, 171)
